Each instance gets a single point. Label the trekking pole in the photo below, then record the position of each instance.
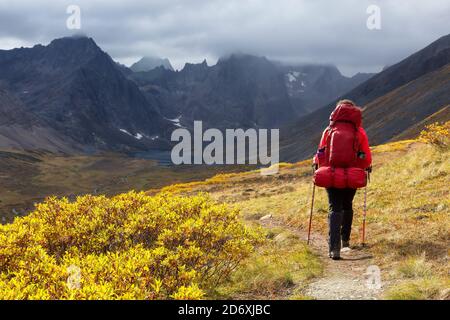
(365, 211)
(364, 218)
(311, 212)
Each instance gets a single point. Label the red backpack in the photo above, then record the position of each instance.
(343, 144)
(338, 164)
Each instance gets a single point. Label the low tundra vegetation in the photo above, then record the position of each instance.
(131, 246)
(280, 269)
(437, 134)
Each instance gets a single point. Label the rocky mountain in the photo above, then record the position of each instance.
(394, 101)
(243, 91)
(124, 69)
(21, 129)
(70, 95)
(85, 101)
(312, 86)
(150, 63)
(239, 91)
(81, 93)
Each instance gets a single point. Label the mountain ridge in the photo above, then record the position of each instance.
(82, 93)
(289, 91)
(75, 90)
(429, 59)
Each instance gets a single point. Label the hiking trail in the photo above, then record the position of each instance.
(345, 279)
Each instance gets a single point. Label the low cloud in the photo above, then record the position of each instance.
(294, 31)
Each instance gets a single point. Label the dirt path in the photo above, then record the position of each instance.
(344, 279)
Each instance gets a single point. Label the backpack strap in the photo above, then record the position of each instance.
(328, 143)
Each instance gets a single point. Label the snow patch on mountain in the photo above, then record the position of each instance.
(125, 131)
(292, 76)
(176, 121)
(137, 136)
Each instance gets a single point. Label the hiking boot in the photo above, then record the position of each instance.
(345, 244)
(335, 255)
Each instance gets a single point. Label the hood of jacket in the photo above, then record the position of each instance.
(346, 113)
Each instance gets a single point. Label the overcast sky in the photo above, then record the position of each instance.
(295, 31)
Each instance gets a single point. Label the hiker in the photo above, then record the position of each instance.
(341, 163)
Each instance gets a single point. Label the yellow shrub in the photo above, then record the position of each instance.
(131, 246)
(437, 134)
(220, 178)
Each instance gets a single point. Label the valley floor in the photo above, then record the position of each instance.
(29, 177)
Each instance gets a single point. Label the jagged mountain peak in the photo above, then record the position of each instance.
(81, 92)
(75, 45)
(148, 63)
(77, 39)
(68, 53)
(195, 66)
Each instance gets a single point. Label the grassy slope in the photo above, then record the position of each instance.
(408, 223)
(442, 116)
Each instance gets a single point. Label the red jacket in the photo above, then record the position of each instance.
(362, 163)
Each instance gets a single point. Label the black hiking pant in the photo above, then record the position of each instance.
(340, 216)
